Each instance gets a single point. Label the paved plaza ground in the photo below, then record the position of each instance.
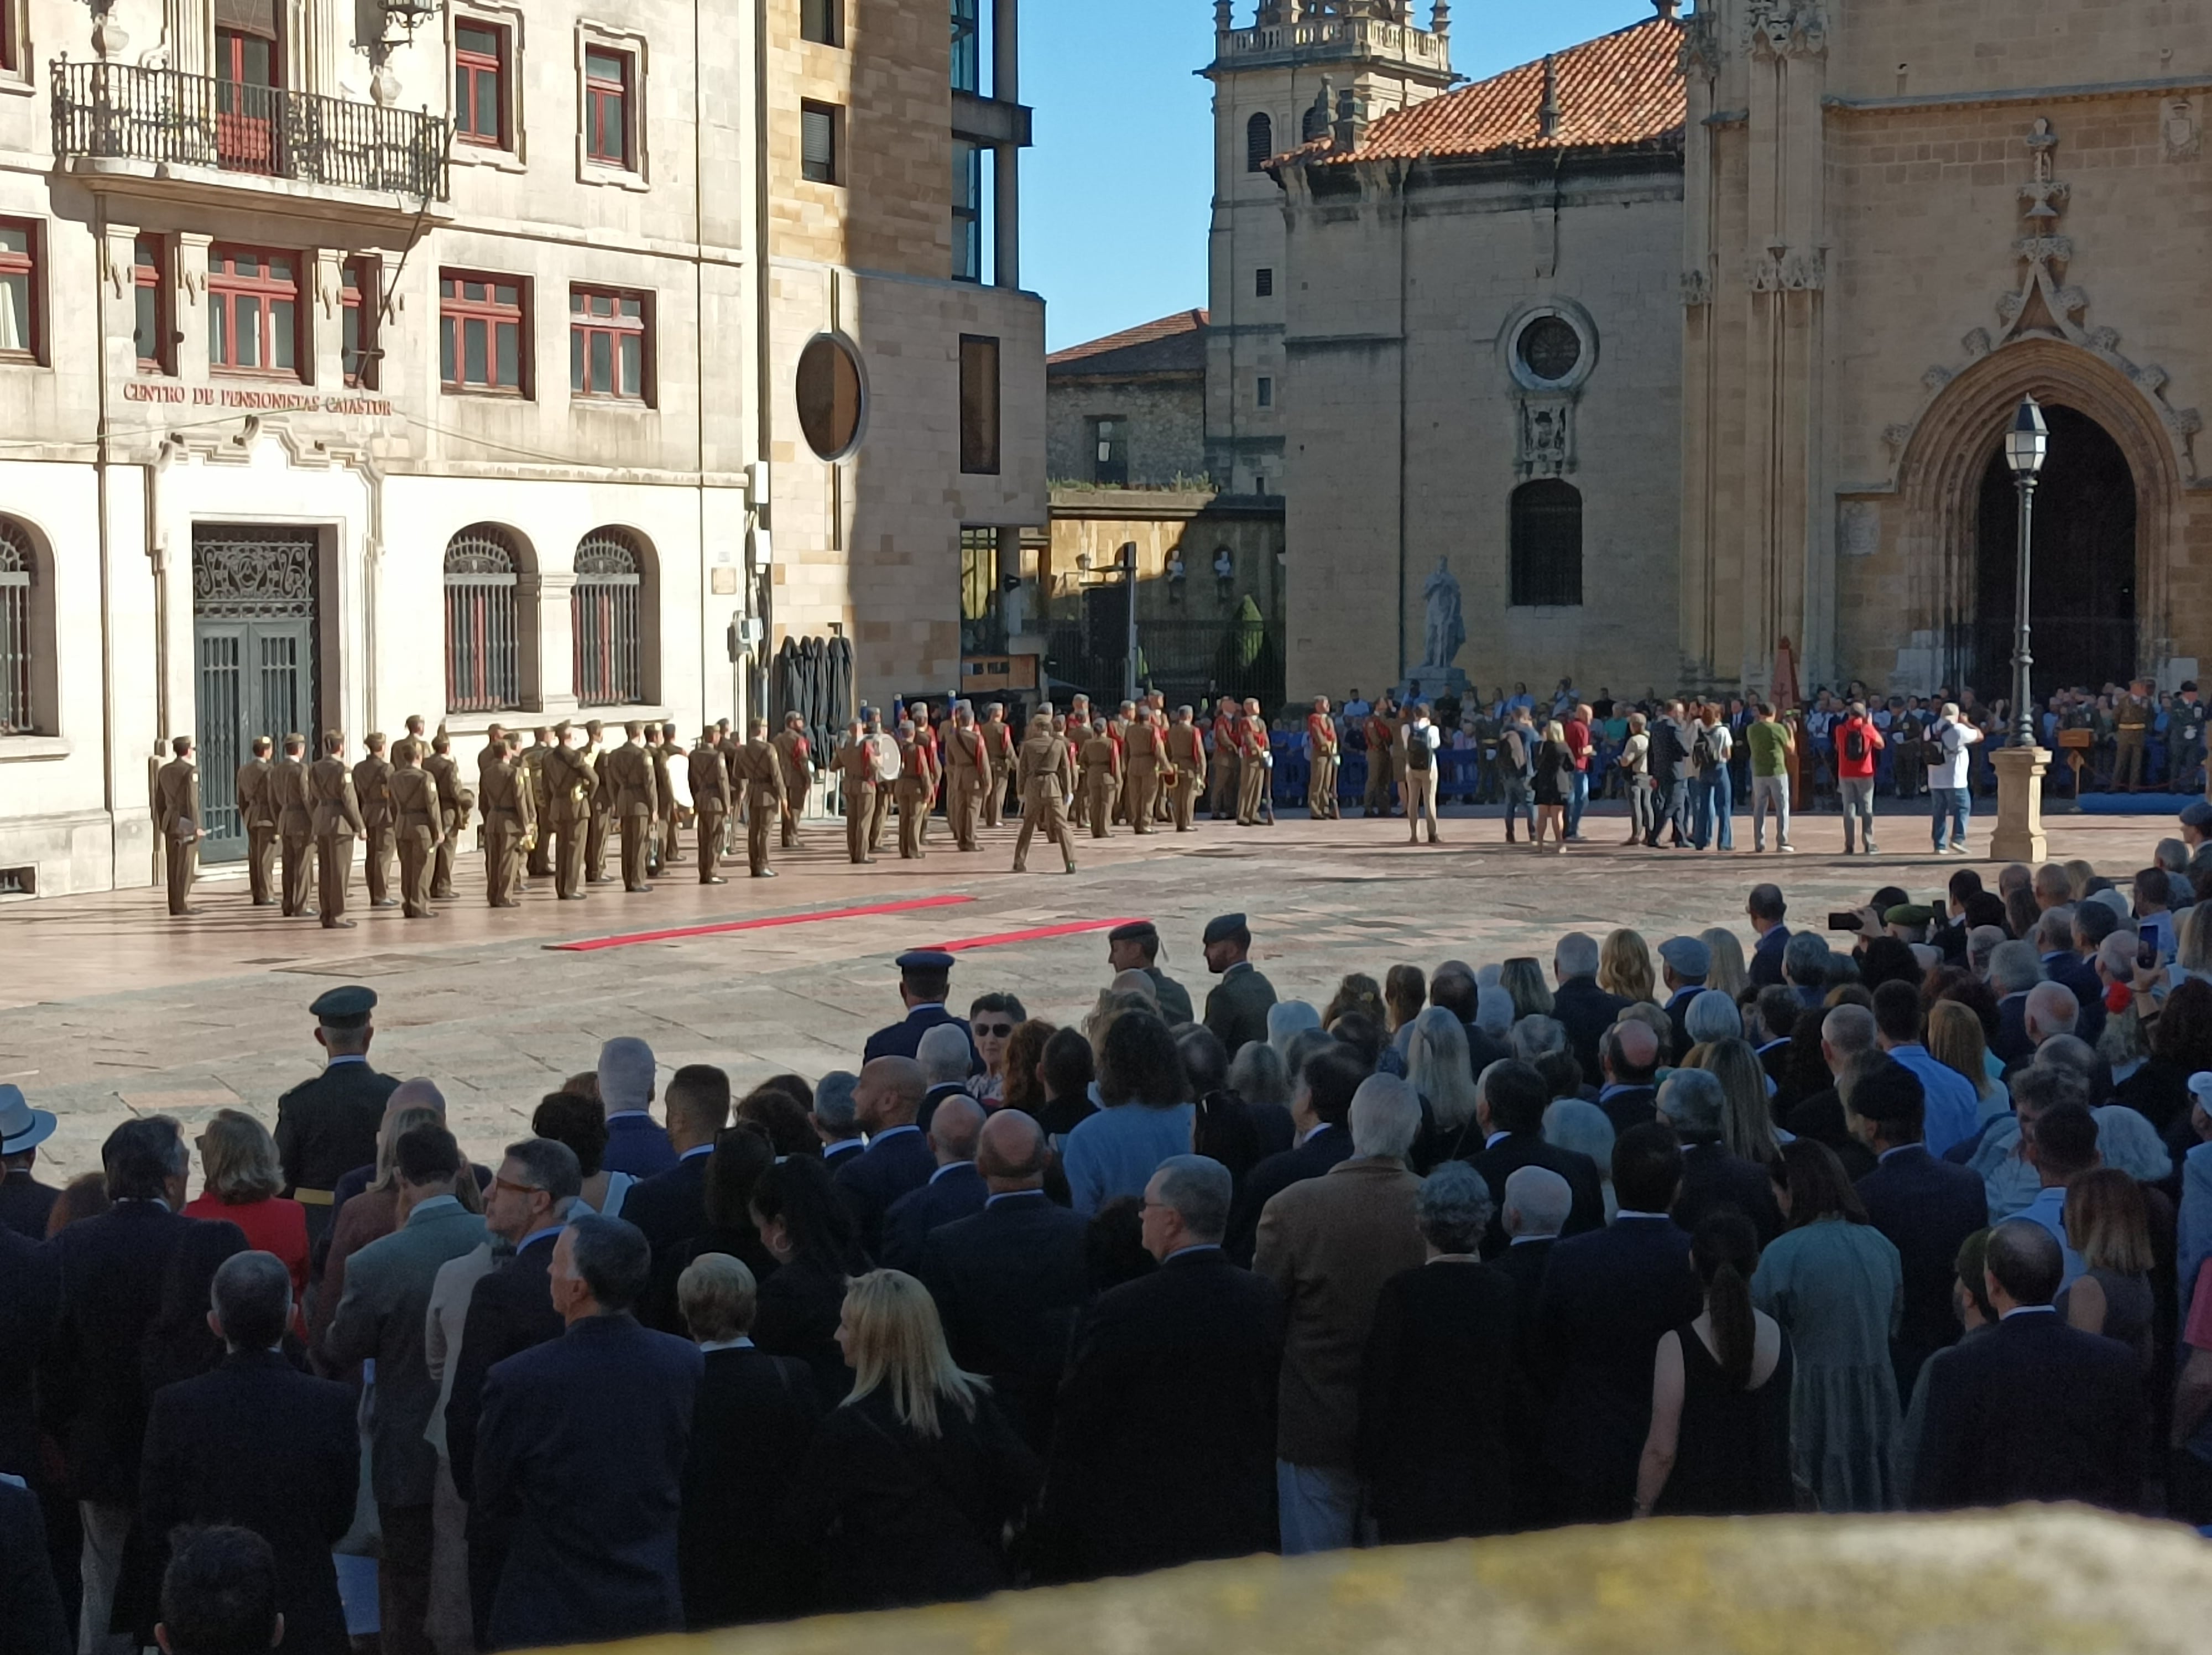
(109, 1007)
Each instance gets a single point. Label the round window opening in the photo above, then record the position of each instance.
(1550, 348)
(829, 397)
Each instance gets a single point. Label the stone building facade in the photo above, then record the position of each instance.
(532, 363)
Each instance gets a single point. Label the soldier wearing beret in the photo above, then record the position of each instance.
(1136, 947)
(296, 825)
(1236, 1009)
(455, 801)
(326, 1126)
(419, 826)
(710, 800)
(336, 820)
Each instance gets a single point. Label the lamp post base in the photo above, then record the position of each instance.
(2019, 834)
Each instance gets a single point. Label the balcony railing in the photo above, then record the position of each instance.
(1365, 37)
(119, 111)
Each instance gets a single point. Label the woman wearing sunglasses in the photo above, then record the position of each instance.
(990, 1019)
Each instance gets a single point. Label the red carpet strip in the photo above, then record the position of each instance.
(591, 945)
(1036, 935)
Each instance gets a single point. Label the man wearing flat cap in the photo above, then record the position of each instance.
(1683, 963)
(1136, 947)
(2196, 822)
(327, 1126)
(1236, 1009)
(25, 1203)
(925, 980)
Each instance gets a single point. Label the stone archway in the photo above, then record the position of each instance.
(1945, 464)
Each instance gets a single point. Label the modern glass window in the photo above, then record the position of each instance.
(967, 211)
(982, 620)
(18, 581)
(18, 291)
(821, 143)
(979, 404)
(482, 653)
(608, 344)
(967, 45)
(149, 288)
(482, 322)
(1547, 543)
(829, 398)
(253, 310)
(480, 84)
(1259, 142)
(603, 608)
(607, 84)
(1109, 452)
(360, 304)
(822, 22)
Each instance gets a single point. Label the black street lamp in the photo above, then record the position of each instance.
(2025, 444)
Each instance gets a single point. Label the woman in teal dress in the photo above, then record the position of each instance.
(1835, 1284)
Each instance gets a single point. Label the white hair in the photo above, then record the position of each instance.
(1386, 1116)
(1712, 1016)
(944, 1054)
(1537, 1202)
(1494, 1011)
(1575, 956)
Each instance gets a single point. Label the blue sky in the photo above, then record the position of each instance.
(1115, 194)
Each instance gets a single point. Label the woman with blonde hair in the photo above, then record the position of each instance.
(1727, 972)
(241, 1175)
(2192, 939)
(908, 1489)
(2078, 875)
(1437, 1064)
(1554, 784)
(1747, 1122)
(1624, 965)
(1359, 993)
(1523, 978)
(2109, 1225)
(1957, 1042)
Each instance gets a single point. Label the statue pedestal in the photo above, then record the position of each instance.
(1434, 684)
(2019, 834)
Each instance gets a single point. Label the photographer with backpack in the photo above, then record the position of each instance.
(1856, 743)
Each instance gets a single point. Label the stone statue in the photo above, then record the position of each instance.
(1443, 631)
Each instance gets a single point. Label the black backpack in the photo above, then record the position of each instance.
(1418, 755)
(1855, 742)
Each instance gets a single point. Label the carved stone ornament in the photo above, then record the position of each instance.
(1858, 528)
(2042, 303)
(1786, 28)
(1546, 445)
(1783, 270)
(1701, 46)
(1976, 343)
(2181, 130)
(1697, 288)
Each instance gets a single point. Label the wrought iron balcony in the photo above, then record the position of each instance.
(120, 112)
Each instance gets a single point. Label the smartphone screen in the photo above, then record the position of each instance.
(2147, 946)
(1843, 919)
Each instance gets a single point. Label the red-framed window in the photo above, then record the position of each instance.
(254, 313)
(249, 68)
(20, 284)
(149, 285)
(609, 344)
(360, 304)
(480, 84)
(483, 325)
(608, 75)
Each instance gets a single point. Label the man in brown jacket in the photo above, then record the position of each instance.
(1185, 752)
(571, 782)
(454, 803)
(336, 822)
(1145, 748)
(1329, 1244)
(1102, 777)
(661, 746)
(602, 803)
(296, 823)
(419, 825)
(628, 769)
(710, 801)
(256, 813)
(762, 769)
(968, 776)
(795, 753)
(538, 779)
(914, 790)
(856, 770)
(1047, 767)
(998, 745)
(510, 814)
(176, 815)
(372, 780)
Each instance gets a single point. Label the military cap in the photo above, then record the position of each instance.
(1134, 931)
(2196, 814)
(1690, 957)
(925, 959)
(1225, 928)
(343, 1009)
(1907, 913)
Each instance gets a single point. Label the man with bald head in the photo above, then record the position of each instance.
(898, 1158)
(1010, 1281)
(954, 1191)
(1628, 1058)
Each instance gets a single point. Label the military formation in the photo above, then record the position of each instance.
(552, 808)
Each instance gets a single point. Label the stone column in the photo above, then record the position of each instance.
(2019, 834)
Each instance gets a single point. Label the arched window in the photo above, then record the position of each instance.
(1259, 142)
(18, 655)
(484, 634)
(603, 609)
(1547, 543)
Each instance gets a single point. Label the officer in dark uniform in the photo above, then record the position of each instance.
(925, 980)
(327, 1126)
(1136, 947)
(1236, 1009)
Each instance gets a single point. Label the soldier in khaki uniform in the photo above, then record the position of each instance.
(296, 823)
(1251, 768)
(1047, 770)
(510, 819)
(1155, 708)
(710, 774)
(660, 747)
(336, 822)
(177, 816)
(372, 780)
(998, 743)
(933, 764)
(856, 771)
(1101, 778)
(571, 783)
(1321, 759)
(795, 753)
(1118, 726)
(603, 797)
(913, 787)
(454, 803)
(538, 779)
(1225, 761)
(884, 749)
(257, 810)
(968, 776)
(1186, 750)
(1146, 748)
(420, 824)
(762, 769)
(627, 772)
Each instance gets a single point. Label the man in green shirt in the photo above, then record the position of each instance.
(1770, 742)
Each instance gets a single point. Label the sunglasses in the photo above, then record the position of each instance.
(994, 1030)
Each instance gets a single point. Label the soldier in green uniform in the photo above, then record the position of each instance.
(296, 825)
(603, 807)
(1136, 947)
(372, 781)
(538, 779)
(454, 803)
(419, 825)
(572, 782)
(1236, 1010)
(326, 1126)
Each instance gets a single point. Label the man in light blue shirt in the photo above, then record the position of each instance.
(1952, 1103)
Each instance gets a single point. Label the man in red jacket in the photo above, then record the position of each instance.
(1856, 743)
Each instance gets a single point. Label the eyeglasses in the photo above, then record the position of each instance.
(994, 1030)
(517, 1188)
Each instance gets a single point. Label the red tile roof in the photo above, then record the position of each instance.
(1171, 344)
(1622, 90)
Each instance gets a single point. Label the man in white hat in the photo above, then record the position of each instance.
(24, 1202)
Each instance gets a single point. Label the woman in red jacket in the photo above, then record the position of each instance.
(238, 1161)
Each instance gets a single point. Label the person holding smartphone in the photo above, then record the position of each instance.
(1950, 740)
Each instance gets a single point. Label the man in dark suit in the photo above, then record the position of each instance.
(259, 1445)
(1848, 1035)
(591, 1511)
(1671, 741)
(2034, 1410)
(327, 1126)
(1628, 1060)
(1010, 1281)
(1683, 964)
(925, 980)
(943, 1054)
(671, 1206)
(1926, 1206)
(755, 1415)
(1777, 1011)
(28, 1300)
(1583, 1009)
(1453, 988)
(109, 1273)
(25, 1203)
(1764, 907)
(1320, 1106)
(1163, 1451)
(1236, 1007)
(31, 1618)
(1509, 1112)
(955, 1190)
(2054, 939)
(898, 1158)
(2014, 969)
(1536, 1205)
(1693, 1102)
(1607, 1299)
(636, 1143)
(834, 1120)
